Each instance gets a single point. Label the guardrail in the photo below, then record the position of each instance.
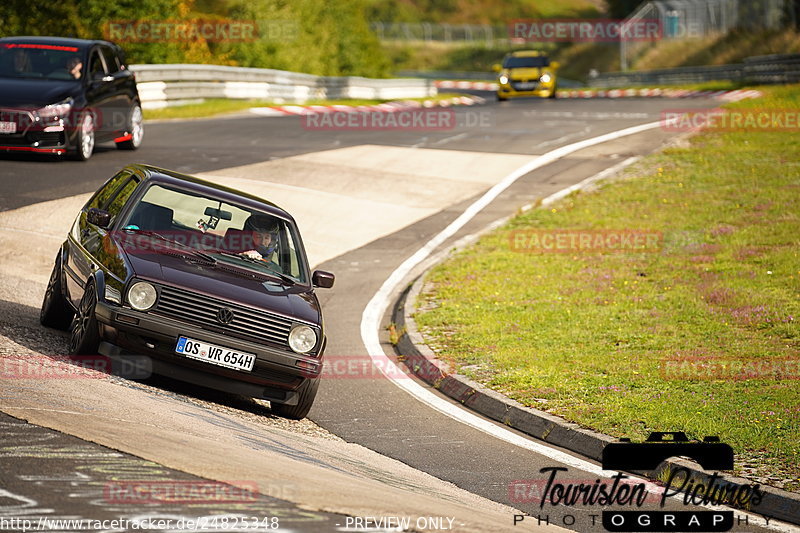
(772, 69)
(164, 85)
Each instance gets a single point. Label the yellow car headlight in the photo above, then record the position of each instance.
(546, 78)
(503, 79)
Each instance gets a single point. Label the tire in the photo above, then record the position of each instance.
(56, 312)
(553, 94)
(84, 335)
(500, 98)
(136, 129)
(307, 391)
(85, 139)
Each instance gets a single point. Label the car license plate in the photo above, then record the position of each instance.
(8, 127)
(216, 355)
(526, 85)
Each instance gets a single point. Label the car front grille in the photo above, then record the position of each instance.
(46, 137)
(526, 85)
(201, 310)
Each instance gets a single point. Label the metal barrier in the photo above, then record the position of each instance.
(164, 85)
(773, 69)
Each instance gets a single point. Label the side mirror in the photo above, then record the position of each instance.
(555, 65)
(497, 67)
(322, 279)
(98, 217)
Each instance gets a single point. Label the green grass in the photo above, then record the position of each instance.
(588, 336)
(220, 106)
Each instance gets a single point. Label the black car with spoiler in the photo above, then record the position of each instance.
(209, 285)
(63, 96)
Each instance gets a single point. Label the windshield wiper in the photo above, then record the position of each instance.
(195, 252)
(283, 277)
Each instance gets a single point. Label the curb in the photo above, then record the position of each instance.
(727, 96)
(422, 361)
(388, 107)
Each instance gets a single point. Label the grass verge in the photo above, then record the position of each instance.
(702, 336)
(220, 106)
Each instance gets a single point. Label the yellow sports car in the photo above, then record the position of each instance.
(526, 73)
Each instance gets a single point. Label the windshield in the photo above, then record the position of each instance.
(526, 62)
(45, 61)
(226, 232)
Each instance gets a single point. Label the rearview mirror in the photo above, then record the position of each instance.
(497, 67)
(98, 217)
(218, 213)
(322, 279)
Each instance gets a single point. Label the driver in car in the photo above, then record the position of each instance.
(264, 231)
(74, 66)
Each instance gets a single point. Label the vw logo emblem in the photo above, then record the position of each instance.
(224, 316)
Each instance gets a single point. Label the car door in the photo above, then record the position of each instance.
(100, 95)
(85, 239)
(121, 89)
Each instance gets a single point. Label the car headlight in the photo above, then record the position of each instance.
(503, 79)
(61, 109)
(302, 339)
(142, 296)
(545, 78)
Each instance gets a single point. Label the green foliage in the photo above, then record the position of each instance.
(324, 38)
(476, 11)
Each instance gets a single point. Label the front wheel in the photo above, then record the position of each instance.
(135, 129)
(84, 333)
(84, 140)
(501, 98)
(55, 313)
(307, 391)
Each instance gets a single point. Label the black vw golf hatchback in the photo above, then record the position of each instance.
(204, 283)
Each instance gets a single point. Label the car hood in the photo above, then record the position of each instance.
(226, 282)
(35, 93)
(525, 73)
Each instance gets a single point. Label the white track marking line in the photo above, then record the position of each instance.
(377, 306)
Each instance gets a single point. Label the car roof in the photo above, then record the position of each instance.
(153, 174)
(527, 53)
(57, 41)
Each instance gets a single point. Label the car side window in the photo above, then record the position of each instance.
(102, 196)
(96, 65)
(121, 199)
(111, 60)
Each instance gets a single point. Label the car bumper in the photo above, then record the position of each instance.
(275, 376)
(542, 91)
(39, 141)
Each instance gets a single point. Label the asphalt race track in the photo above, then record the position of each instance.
(364, 201)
